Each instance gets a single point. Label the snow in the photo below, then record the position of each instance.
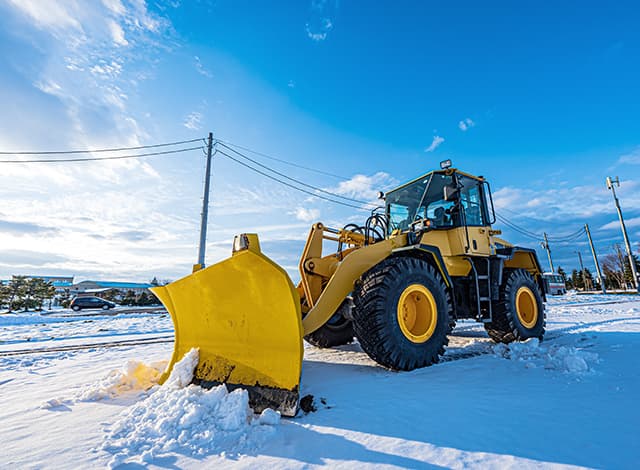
(134, 377)
(32, 330)
(567, 359)
(179, 417)
(182, 372)
(569, 401)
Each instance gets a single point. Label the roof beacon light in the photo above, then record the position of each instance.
(444, 164)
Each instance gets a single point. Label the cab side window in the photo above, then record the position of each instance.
(471, 199)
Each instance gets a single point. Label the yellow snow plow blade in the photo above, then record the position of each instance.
(243, 314)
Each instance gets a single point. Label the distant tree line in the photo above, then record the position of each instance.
(24, 293)
(129, 297)
(616, 270)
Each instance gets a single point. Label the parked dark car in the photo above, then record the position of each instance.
(90, 302)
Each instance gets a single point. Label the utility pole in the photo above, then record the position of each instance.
(205, 207)
(584, 277)
(595, 259)
(632, 263)
(545, 245)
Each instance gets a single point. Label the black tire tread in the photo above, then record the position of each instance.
(370, 299)
(328, 337)
(504, 328)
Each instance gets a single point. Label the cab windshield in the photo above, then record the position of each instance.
(424, 199)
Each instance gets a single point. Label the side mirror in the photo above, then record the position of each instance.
(451, 193)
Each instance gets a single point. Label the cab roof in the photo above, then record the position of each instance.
(448, 171)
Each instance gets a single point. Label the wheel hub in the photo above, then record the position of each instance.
(417, 313)
(526, 307)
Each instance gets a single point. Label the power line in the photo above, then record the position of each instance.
(537, 237)
(229, 145)
(120, 149)
(269, 157)
(518, 229)
(288, 184)
(315, 188)
(555, 239)
(570, 238)
(93, 159)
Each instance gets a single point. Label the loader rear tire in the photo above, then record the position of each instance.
(403, 313)
(336, 332)
(519, 314)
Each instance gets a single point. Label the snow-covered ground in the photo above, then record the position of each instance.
(569, 401)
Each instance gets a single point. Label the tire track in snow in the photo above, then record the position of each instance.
(550, 335)
(75, 347)
(479, 348)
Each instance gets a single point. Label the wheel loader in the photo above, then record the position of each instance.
(397, 284)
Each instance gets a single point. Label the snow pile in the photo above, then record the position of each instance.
(566, 359)
(134, 377)
(182, 372)
(55, 403)
(188, 419)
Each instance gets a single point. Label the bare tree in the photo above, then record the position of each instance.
(613, 268)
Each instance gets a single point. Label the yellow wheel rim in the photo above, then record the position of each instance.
(417, 313)
(526, 307)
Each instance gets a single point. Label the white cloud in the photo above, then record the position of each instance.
(107, 70)
(466, 124)
(632, 158)
(291, 84)
(93, 234)
(91, 79)
(117, 33)
(306, 215)
(48, 15)
(435, 143)
(114, 6)
(49, 87)
(320, 21)
(364, 187)
(81, 86)
(235, 200)
(630, 223)
(193, 121)
(561, 203)
(201, 69)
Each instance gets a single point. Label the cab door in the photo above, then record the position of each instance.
(475, 218)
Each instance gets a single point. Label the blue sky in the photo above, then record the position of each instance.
(542, 100)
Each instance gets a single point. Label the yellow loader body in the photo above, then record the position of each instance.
(248, 320)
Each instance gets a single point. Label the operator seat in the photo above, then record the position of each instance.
(439, 217)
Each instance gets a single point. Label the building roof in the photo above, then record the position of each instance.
(62, 283)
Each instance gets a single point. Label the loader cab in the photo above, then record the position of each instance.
(441, 200)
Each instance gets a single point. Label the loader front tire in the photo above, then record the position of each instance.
(336, 332)
(519, 314)
(403, 313)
